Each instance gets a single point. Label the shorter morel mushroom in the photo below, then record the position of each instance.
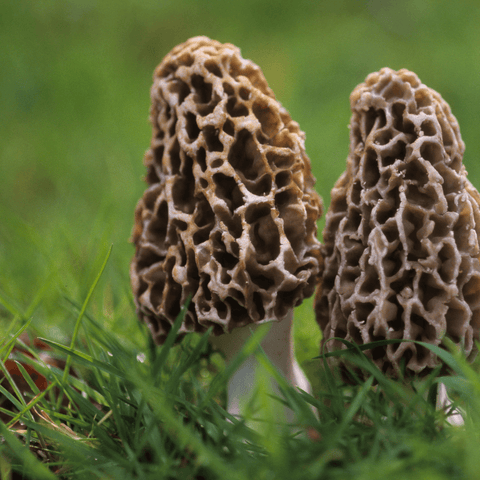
(229, 217)
(401, 236)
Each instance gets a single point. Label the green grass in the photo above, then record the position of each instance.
(157, 412)
(74, 82)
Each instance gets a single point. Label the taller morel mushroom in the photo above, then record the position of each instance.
(229, 217)
(401, 236)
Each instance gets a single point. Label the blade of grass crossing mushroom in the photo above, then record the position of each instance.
(171, 337)
(352, 347)
(466, 383)
(454, 362)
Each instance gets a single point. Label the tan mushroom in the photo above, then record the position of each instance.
(401, 235)
(229, 217)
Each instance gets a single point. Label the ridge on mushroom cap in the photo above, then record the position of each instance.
(401, 235)
(229, 217)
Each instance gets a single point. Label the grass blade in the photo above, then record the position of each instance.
(82, 311)
(30, 464)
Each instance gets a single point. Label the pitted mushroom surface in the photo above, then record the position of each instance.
(229, 216)
(401, 236)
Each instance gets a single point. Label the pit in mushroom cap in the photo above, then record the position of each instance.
(401, 235)
(230, 213)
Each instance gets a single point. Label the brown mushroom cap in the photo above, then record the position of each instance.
(401, 236)
(229, 217)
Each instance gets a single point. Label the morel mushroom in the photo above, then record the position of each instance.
(229, 217)
(401, 236)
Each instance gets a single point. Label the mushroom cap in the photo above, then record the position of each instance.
(401, 236)
(229, 217)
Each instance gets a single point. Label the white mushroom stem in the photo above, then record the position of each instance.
(444, 403)
(278, 345)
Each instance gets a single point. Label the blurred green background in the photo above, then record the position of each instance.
(74, 99)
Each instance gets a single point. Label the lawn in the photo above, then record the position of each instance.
(75, 79)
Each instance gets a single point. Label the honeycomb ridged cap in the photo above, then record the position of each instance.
(401, 235)
(229, 217)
